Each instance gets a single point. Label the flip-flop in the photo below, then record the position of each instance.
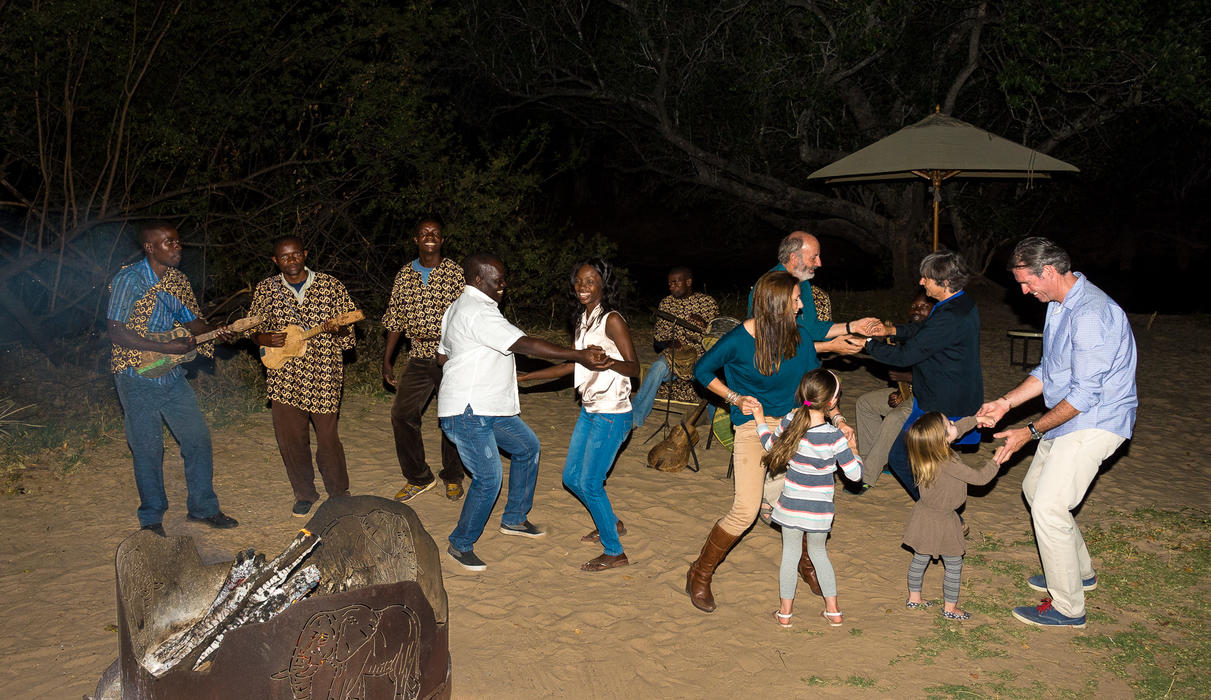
(605, 561)
(594, 537)
(783, 620)
(832, 618)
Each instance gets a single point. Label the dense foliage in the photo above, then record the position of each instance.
(747, 98)
(325, 120)
(343, 122)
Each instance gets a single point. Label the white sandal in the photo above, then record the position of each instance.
(783, 619)
(832, 618)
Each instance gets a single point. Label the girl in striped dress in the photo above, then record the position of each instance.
(809, 450)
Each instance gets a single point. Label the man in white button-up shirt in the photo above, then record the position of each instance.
(478, 408)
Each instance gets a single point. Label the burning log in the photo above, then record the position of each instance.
(243, 594)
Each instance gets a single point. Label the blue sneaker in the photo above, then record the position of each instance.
(1039, 583)
(1046, 616)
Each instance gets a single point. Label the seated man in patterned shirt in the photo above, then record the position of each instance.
(423, 290)
(306, 391)
(674, 340)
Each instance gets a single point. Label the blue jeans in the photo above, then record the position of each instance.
(147, 406)
(595, 442)
(479, 440)
(897, 464)
(645, 398)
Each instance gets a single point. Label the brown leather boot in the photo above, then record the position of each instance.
(698, 579)
(807, 571)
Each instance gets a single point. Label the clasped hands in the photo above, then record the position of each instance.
(852, 342)
(989, 415)
(595, 358)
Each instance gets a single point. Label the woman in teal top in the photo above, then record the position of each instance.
(762, 361)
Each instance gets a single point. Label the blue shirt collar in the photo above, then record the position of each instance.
(149, 273)
(1075, 293)
(956, 295)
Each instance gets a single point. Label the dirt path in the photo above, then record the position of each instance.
(534, 625)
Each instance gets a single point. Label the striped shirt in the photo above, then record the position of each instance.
(806, 502)
(1089, 361)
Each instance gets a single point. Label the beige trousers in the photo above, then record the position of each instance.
(1056, 482)
(878, 427)
(749, 477)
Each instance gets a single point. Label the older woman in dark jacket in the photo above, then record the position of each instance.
(943, 351)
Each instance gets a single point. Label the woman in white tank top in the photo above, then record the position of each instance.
(605, 413)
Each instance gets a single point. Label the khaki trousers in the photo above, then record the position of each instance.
(749, 476)
(878, 427)
(1056, 482)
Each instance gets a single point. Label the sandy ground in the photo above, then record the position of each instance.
(533, 625)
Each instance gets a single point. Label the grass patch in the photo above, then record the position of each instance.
(1148, 617)
(860, 681)
(1154, 568)
(1005, 689)
(855, 681)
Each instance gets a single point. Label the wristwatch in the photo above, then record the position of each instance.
(1034, 433)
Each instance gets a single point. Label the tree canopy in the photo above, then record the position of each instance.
(324, 120)
(748, 97)
(343, 122)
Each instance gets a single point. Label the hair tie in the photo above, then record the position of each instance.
(807, 403)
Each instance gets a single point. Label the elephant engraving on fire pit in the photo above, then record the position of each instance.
(338, 650)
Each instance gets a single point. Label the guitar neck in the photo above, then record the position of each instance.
(240, 325)
(199, 339)
(678, 321)
(312, 332)
(343, 320)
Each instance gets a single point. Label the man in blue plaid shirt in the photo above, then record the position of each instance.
(153, 296)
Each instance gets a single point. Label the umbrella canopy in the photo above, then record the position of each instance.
(937, 148)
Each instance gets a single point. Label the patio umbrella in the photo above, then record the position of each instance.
(938, 148)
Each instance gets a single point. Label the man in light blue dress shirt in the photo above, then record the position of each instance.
(1087, 380)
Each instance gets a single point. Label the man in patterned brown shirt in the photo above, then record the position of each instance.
(692, 307)
(422, 291)
(307, 389)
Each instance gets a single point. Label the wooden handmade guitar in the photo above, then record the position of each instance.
(296, 340)
(154, 364)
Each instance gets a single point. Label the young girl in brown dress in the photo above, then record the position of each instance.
(934, 528)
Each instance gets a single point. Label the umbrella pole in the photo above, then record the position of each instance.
(936, 177)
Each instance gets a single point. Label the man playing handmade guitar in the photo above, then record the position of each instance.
(306, 390)
(153, 296)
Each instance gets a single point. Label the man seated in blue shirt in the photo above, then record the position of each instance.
(1087, 380)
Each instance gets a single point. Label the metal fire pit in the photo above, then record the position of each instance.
(374, 628)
